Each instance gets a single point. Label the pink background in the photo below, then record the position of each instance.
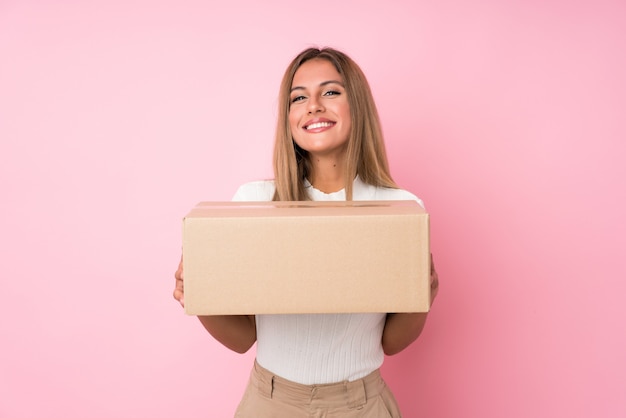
(506, 117)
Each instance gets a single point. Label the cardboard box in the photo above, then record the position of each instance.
(306, 257)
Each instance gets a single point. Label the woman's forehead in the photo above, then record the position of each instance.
(314, 72)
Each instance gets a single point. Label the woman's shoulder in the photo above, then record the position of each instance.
(385, 193)
(255, 191)
(364, 191)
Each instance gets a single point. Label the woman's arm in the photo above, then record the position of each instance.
(237, 332)
(401, 329)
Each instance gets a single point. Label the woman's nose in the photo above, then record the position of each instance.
(315, 105)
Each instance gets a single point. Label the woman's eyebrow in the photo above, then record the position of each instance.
(322, 84)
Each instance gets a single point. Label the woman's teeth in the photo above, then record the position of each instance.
(319, 125)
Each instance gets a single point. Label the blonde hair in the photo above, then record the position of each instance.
(366, 155)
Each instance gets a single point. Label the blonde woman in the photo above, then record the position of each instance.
(329, 146)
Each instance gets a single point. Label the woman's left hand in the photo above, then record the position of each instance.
(434, 281)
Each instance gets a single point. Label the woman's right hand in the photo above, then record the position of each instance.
(179, 291)
(237, 332)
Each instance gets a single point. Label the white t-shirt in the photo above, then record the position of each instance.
(321, 348)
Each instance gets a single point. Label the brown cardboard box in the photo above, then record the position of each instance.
(306, 257)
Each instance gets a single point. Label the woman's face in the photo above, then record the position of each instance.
(319, 113)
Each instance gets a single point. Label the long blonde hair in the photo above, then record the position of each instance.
(366, 155)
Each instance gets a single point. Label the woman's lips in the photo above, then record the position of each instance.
(315, 126)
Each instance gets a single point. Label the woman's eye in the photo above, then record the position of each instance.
(332, 93)
(297, 99)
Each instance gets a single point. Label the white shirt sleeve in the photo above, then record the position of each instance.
(255, 191)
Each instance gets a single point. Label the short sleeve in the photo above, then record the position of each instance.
(255, 191)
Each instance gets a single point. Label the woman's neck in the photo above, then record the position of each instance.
(327, 175)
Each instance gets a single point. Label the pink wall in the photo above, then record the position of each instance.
(507, 118)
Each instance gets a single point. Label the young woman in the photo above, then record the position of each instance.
(328, 146)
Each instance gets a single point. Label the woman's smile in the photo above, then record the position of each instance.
(318, 125)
